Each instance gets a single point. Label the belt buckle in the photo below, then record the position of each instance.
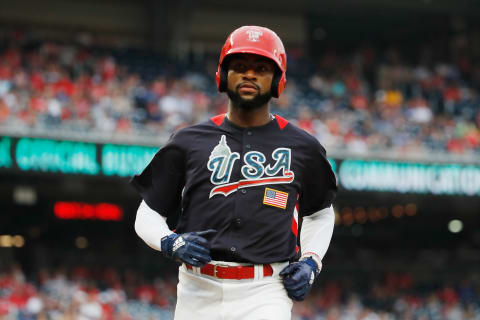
(215, 269)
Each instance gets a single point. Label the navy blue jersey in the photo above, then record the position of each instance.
(250, 184)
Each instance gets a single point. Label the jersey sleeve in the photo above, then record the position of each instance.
(162, 181)
(319, 186)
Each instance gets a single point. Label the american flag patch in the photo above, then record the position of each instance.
(275, 198)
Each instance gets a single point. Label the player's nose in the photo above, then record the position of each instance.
(250, 73)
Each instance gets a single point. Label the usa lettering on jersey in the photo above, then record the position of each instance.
(253, 170)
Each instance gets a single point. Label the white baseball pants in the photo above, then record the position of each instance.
(203, 297)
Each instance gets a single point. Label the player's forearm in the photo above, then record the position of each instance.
(150, 226)
(316, 233)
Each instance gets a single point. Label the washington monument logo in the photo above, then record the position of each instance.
(221, 162)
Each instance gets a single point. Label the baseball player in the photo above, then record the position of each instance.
(242, 181)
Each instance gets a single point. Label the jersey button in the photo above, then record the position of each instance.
(243, 191)
(237, 222)
(248, 146)
(233, 249)
(249, 133)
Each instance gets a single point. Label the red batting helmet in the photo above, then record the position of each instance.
(255, 40)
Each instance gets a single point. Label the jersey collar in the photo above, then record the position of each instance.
(222, 120)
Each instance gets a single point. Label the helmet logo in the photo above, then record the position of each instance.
(253, 35)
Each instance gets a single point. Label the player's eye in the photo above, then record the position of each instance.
(239, 66)
(262, 68)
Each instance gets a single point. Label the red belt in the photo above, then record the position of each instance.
(232, 272)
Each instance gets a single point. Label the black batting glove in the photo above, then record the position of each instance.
(298, 278)
(191, 247)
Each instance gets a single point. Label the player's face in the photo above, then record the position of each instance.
(250, 80)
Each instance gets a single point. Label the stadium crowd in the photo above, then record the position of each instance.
(368, 99)
(82, 293)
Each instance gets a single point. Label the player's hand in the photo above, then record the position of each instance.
(298, 278)
(191, 247)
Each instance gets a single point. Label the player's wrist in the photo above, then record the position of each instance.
(313, 261)
(167, 244)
